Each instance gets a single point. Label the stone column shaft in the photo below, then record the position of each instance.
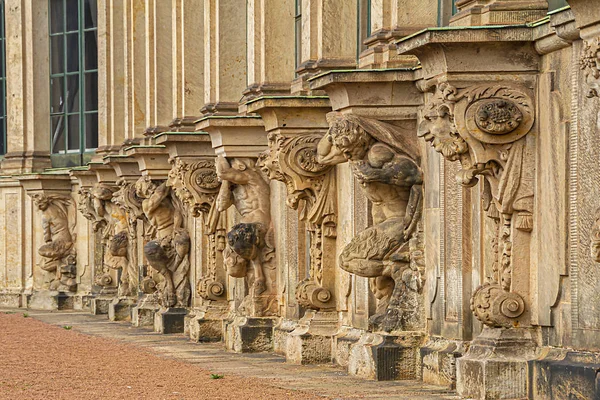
(225, 55)
(27, 86)
(270, 33)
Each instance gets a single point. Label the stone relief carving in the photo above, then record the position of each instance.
(311, 190)
(59, 255)
(168, 252)
(385, 164)
(590, 65)
(196, 184)
(249, 250)
(96, 204)
(595, 238)
(485, 128)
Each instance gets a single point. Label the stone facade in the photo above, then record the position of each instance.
(414, 199)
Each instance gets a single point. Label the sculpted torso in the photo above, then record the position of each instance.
(385, 175)
(250, 192)
(158, 208)
(55, 225)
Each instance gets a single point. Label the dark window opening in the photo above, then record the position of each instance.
(73, 78)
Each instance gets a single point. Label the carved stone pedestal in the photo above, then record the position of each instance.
(205, 326)
(143, 313)
(563, 374)
(384, 357)
(249, 335)
(120, 309)
(99, 305)
(170, 320)
(10, 300)
(343, 341)
(496, 365)
(438, 361)
(281, 332)
(312, 340)
(51, 300)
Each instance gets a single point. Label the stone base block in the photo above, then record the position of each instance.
(143, 315)
(496, 365)
(309, 349)
(204, 329)
(170, 320)
(249, 334)
(563, 374)
(438, 361)
(312, 340)
(385, 357)
(343, 341)
(281, 333)
(52, 300)
(120, 309)
(11, 300)
(99, 306)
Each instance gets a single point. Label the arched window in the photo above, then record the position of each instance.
(73, 81)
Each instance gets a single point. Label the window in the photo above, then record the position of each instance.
(446, 9)
(556, 4)
(298, 32)
(2, 82)
(364, 25)
(73, 80)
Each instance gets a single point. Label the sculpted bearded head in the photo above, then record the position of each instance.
(348, 138)
(41, 201)
(439, 129)
(268, 160)
(144, 187)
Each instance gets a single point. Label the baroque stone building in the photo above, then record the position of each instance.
(408, 189)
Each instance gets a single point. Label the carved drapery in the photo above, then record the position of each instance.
(58, 253)
(384, 159)
(311, 190)
(485, 128)
(196, 185)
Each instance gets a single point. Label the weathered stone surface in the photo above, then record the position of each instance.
(120, 309)
(249, 335)
(170, 320)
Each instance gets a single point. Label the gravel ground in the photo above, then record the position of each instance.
(41, 361)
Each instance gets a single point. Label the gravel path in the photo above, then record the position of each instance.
(41, 361)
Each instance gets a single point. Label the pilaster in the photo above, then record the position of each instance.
(295, 125)
(483, 116)
(27, 87)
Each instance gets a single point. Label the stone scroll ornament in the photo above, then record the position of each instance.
(168, 252)
(386, 164)
(311, 190)
(249, 252)
(196, 184)
(58, 253)
(590, 65)
(485, 129)
(110, 220)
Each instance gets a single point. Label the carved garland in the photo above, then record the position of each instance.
(310, 190)
(196, 184)
(485, 128)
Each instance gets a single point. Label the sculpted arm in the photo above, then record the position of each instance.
(152, 203)
(226, 172)
(46, 229)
